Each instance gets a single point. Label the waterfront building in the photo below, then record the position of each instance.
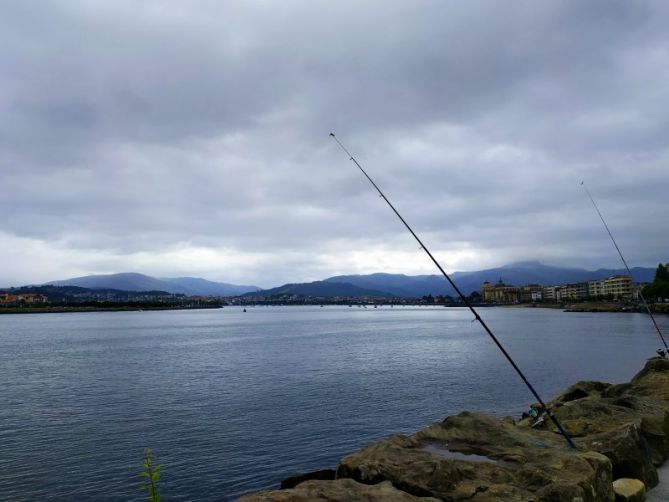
(24, 298)
(548, 293)
(596, 288)
(488, 291)
(616, 286)
(619, 286)
(530, 293)
(499, 293)
(575, 291)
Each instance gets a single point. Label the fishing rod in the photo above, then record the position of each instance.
(643, 299)
(464, 299)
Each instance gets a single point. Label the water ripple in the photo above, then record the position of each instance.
(231, 402)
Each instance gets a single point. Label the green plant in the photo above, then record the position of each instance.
(152, 474)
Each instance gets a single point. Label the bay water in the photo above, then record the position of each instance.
(232, 401)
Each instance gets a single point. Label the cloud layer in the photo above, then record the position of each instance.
(178, 138)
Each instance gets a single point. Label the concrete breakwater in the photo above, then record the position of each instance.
(621, 432)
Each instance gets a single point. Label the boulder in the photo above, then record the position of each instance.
(341, 490)
(629, 423)
(472, 456)
(629, 490)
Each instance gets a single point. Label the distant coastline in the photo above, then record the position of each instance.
(660, 308)
(62, 310)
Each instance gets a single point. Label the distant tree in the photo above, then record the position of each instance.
(475, 297)
(659, 288)
(662, 273)
(428, 299)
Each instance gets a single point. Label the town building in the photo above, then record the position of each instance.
(617, 287)
(22, 299)
(575, 291)
(499, 293)
(549, 293)
(530, 293)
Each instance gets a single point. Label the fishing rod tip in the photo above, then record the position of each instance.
(332, 134)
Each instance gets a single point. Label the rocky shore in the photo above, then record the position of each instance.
(621, 432)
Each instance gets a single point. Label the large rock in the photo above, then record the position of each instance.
(629, 423)
(629, 490)
(341, 490)
(471, 456)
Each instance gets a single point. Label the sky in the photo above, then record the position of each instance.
(191, 138)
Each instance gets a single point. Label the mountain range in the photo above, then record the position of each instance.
(128, 281)
(323, 288)
(517, 274)
(379, 284)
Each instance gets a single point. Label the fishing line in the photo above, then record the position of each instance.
(463, 298)
(643, 300)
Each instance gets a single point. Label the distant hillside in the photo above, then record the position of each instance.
(322, 288)
(139, 282)
(397, 284)
(515, 274)
(203, 287)
(380, 284)
(124, 282)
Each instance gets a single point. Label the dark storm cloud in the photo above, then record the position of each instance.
(158, 135)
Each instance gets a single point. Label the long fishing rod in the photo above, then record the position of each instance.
(464, 299)
(643, 299)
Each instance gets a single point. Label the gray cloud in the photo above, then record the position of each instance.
(193, 138)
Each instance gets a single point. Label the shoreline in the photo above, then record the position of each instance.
(613, 307)
(64, 310)
(621, 433)
(662, 308)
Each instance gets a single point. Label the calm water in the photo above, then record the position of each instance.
(232, 402)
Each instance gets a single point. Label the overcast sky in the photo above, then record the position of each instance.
(191, 138)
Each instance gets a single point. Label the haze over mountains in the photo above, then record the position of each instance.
(378, 284)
